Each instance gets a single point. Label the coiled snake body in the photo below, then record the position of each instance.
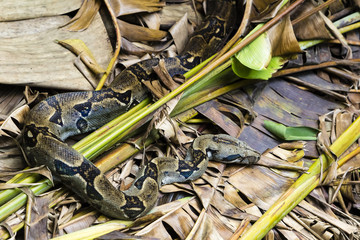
(53, 120)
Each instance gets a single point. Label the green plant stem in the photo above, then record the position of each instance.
(84, 143)
(95, 231)
(302, 186)
(6, 195)
(17, 202)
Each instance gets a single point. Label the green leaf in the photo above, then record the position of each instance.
(256, 55)
(291, 133)
(245, 72)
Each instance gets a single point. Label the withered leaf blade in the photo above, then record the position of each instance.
(38, 210)
(211, 109)
(35, 59)
(78, 47)
(328, 218)
(84, 16)
(312, 27)
(11, 98)
(264, 10)
(180, 33)
(125, 7)
(134, 32)
(261, 185)
(23, 9)
(176, 210)
(282, 38)
(13, 124)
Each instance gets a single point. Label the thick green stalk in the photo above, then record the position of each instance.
(6, 195)
(17, 202)
(85, 142)
(95, 231)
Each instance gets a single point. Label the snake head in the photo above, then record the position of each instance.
(227, 149)
(243, 155)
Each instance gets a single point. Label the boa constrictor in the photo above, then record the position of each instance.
(53, 120)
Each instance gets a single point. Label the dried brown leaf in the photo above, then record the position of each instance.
(176, 217)
(10, 158)
(312, 27)
(23, 9)
(226, 209)
(206, 229)
(293, 145)
(172, 13)
(335, 32)
(121, 235)
(65, 212)
(282, 38)
(78, 223)
(34, 59)
(134, 32)
(11, 98)
(232, 196)
(79, 48)
(12, 125)
(152, 20)
(205, 193)
(34, 95)
(125, 7)
(265, 10)
(287, 155)
(173, 188)
(180, 33)
(37, 215)
(260, 185)
(349, 229)
(84, 16)
(212, 110)
(81, 223)
(321, 228)
(141, 50)
(167, 127)
(131, 49)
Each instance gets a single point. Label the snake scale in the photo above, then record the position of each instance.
(54, 119)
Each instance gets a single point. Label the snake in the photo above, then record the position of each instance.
(53, 120)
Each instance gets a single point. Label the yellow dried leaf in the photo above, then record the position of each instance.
(125, 7)
(78, 47)
(84, 16)
(137, 33)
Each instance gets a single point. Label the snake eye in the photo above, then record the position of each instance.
(82, 124)
(29, 138)
(29, 134)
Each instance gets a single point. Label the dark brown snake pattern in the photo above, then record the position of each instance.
(53, 120)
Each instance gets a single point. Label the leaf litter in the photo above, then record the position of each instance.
(220, 201)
